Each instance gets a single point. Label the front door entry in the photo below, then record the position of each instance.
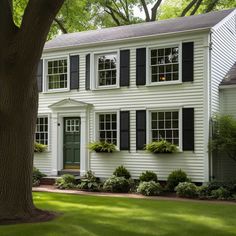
(72, 143)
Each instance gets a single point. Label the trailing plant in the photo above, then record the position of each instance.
(102, 147)
(38, 147)
(161, 146)
(148, 176)
(66, 181)
(150, 188)
(37, 176)
(117, 185)
(224, 136)
(89, 182)
(121, 171)
(175, 178)
(187, 189)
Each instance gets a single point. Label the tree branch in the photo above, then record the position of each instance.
(6, 18)
(211, 6)
(145, 10)
(113, 17)
(188, 7)
(154, 10)
(35, 26)
(61, 26)
(198, 4)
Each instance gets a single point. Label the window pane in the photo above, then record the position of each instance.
(41, 133)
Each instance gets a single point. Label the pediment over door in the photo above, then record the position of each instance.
(69, 104)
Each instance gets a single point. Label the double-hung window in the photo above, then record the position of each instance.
(107, 131)
(165, 125)
(106, 69)
(164, 64)
(57, 74)
(41, 133)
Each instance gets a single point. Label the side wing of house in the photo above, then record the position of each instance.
(223, 94)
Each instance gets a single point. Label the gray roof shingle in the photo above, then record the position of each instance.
(138, 30)
(230, 78)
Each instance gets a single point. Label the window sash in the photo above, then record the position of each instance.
(107, 127)
(165, 125)
(41, 132)
(57, 74)
(164, 68)
(112, 70)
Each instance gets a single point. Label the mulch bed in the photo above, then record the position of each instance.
(167, 196)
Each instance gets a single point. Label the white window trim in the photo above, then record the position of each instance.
(96, 125)
(94, 70)
(159, 109)
(42, 115)
(45, 73)
(148, 65)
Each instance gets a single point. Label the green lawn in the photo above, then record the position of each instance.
(106, 216)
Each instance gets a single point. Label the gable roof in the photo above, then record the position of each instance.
(230, 78)
(181, 24)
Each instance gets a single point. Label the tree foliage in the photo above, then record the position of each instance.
(224, 136)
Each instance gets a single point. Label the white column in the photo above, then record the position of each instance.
(54, 135)
(83, 144)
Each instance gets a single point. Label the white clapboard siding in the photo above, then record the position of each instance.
(223, 56)
(189, 94)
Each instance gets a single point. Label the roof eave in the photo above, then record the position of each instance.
(127, 40)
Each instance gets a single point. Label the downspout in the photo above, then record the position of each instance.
(211, 177)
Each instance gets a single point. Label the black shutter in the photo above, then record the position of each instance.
(188, 129)
(187, 61)
(141, 66)
(140, 129)
(74, 72)
(87, 74)
(40, 76)
(124, 130)
(124, 67)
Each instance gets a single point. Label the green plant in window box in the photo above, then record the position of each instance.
(161, 146)
(39, 148)
(102, 147)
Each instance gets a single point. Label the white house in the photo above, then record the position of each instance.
(133, 84)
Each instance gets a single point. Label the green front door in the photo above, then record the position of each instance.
(72, 143)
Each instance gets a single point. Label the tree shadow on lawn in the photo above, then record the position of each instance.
(101, 216)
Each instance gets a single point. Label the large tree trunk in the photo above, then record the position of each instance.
(18, 106)
(20, 51)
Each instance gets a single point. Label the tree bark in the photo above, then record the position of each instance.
(20, 52)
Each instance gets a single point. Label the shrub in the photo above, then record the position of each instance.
(220, 193)
(121, 171)
(89, 182)
(230, 186)
(37, 176)
(148, 176)
(38, 147)
(116, 185)
(162, 146)
(150, 188)
(203, 192)
(102, 147)
(187, 189)
(66, 182)
(175, 178)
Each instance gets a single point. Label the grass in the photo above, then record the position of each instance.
(105, 216)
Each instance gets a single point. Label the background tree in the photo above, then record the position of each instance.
(20, 50)
(224, 136)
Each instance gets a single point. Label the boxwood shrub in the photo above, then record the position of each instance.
(148, 176)
(150, 188)
(117, 185)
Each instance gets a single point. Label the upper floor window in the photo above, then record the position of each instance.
(108, 128)
(164, 64)
(165, 125)
(107, 69)
(41, 133)
(57, 76)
